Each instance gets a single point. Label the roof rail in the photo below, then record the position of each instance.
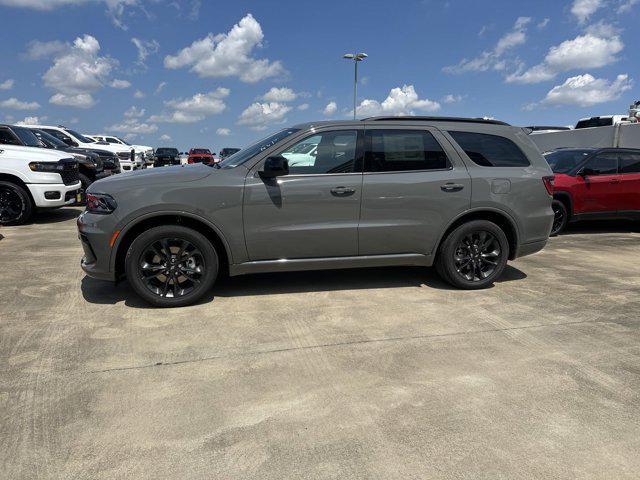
(435, 119)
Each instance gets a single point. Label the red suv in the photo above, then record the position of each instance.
(594, 183)
(200, 155)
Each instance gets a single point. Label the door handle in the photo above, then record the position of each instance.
(342, 191)
(615, 180)
(451, 187)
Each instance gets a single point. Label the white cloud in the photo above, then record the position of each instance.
(223, 132)
(493, 59)
(228, 54)
(77, 72)
(79, 100)
(120, 84)
(330, 109)
(303, 106)
(37, 50)
(450, 98)
(134, 112)
(583, 9)
(165, 138)
(543, 23)
(31, 121)
(194, 109)
(139, 94)
(259, 115)
(145, 48)
(627, 5)
(160, 87)
(7, 84)
(15, 104)
(585, 91)
(283, 94)
(584, 51)
(133, 126)
(400, 101)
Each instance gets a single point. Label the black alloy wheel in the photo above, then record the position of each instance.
(171, 265)
(560, 217)
(15, 204)
(477, 256)
(473, 255)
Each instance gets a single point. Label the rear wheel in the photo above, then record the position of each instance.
(560, 217)
(171, 266)
(473, 255)
(16, 206)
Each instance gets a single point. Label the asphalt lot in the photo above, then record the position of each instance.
(380, 373)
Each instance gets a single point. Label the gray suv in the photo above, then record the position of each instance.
(464, 194)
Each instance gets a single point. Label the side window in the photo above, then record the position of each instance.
(112, 140)
(7, 138)
(603, 164)
(55, 133)
(490, 150)
(629, 162)
(403, 150)
(327, 152)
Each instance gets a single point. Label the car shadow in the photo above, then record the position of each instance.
(59, 215)
(101, 292)
(602, 226)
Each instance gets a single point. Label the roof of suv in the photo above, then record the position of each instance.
(404, 120)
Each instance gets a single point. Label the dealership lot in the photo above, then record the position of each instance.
(380, 373)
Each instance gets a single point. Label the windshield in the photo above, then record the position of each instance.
(245, 154)
(595, 122)
(563, 161)
(200, 151)
(27, 137)
(123, 141)
(82, 138)
(50, 140)
(167, 151)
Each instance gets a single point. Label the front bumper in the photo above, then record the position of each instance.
(94, 233)
(63, 194)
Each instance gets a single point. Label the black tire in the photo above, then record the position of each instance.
(16, 206)
(147, 257)
(486, 263)
(560, 217)
(84, 184)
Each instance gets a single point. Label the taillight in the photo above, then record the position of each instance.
(548, 183)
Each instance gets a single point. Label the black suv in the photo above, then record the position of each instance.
(227, 152)
(166, 156)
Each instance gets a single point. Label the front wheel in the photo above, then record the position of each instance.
(560, 217)
(473, 255)
(16, 206)
(171, 266)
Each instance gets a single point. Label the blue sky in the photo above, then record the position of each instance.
(209, 73)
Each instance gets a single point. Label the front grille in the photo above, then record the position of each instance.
(68, 170)
(124, 155)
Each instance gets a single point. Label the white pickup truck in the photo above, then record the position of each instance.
(33, 178)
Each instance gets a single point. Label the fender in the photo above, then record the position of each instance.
(160, 213)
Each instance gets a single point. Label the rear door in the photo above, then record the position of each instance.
(414, 184)
(600, 191)
(629, 182)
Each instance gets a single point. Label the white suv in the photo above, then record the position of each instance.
(74, 139)
(33, 178)
(144, 151)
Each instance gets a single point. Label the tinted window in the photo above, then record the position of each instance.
(112, 140)
(490, 150)
(27, 136)
(629, 162)
(252, 150)
(403, 150)
(49, 139)
(563, 161)
(167, 151)
(604, 164)
(595, 122)
(335, 152)
(80, 137)
(200, 151)
(7, 138)
(59, 135)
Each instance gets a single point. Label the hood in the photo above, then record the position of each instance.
(107, 147)
(34, 154)
(152, 176)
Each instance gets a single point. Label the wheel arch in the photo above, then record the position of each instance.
(500, 218)
(134, 228)
(565, 197)
(7, 177)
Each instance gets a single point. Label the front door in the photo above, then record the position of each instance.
(599, 190)
(413, 186)
(313, 211)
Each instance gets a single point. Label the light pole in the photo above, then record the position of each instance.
(356, 57)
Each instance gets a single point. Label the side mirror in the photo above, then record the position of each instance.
(275, 167)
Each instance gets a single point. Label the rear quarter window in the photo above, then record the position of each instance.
(490, 150)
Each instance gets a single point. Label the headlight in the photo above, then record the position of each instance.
(44, 167)
(100, 203)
